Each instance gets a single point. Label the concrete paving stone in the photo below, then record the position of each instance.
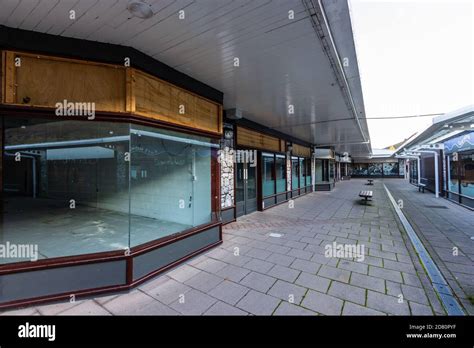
(89, 307)
(306, 266)
(241, 240)
(278, 249)
(222, 308)
(286, 308)
(290, 238)
(218, 253)
(234, 273)
(358, 267)
(386, 274)
(258, 254)
(414, 294)
(383, 240)
(148, 285)
(194, 302)
(236, 259)
(393, 288)
(106, 298)
(404, 258)
(395, 249)
(334, 273)
(259, 244)
(241, 248)
(284, 273)
(322, 303)
(295, 245)
(460, 268)
(183, 273)
(197, 259)
(320, 258)
(318, 248)
(383, 254)
(229, 292)
(355, 309)
(57, 307)
(368, 282)
(204, 281)
(280, 259)
(399, 266)
(258, 281)
(419, 309)
(338, 234)
(257, 303)
(259, 265)
(347, 292)
(359, 238)
(300, 254)
(411, 279)
(128, 303)
(387, 304)
(167, 292)
(372, 260)
(210, 265)
(313, 282)
(287, 291)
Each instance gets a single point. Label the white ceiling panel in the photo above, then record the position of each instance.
(282, 61)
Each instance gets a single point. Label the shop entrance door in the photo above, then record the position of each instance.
(246, 189)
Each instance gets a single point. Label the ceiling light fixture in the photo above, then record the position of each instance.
(140, 9)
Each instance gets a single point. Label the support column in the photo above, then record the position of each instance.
(226, 158)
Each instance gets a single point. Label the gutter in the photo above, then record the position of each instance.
(336, 65)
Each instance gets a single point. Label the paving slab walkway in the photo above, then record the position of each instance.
(445, 229)
(276, 263)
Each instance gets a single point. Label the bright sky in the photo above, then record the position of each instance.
(415, 57)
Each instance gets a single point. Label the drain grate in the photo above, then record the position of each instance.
(436, 206)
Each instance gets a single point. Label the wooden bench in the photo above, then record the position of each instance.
(421, 186)
(366, 195)
(370, 182)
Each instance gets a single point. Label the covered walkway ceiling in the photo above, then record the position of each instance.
(282, 61)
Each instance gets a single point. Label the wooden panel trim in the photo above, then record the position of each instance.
(9, 87)
(250, 138)
(301, 151)
(137, 71)
(130, 91)
(198, 106)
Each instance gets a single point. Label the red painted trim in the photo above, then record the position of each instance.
(108, 289)
(100, 257)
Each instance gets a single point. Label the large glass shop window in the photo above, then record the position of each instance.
(280, 168)
(453, 181)
(268, 184)
(294, 173)
(80, 187)
(319, 170)
(331, 170)
(467, 173)
(308, 172)
(170, 183)
(302, 173)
